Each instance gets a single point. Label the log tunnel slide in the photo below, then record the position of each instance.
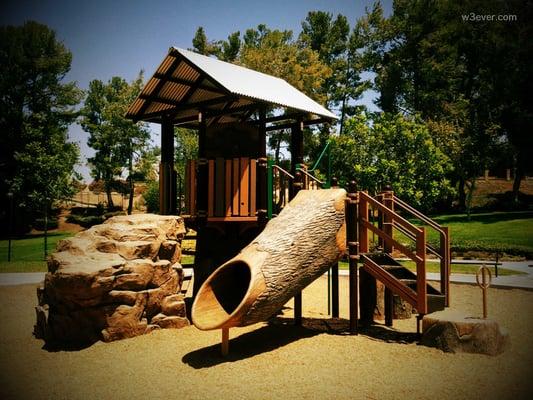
(294, 249)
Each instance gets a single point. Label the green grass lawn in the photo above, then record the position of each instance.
(27, 254)
(504, 232)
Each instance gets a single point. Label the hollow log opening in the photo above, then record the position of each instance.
(221, 294)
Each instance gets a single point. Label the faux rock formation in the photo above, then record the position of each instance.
(401, 310)
(454, 332)
(114, 281)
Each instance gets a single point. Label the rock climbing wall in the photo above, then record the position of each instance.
(114, 281)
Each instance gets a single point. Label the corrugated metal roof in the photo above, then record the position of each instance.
(185, 78)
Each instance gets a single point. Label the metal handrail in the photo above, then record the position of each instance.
(310, 175)
(283, 170)
(418, 214)
(320, 156)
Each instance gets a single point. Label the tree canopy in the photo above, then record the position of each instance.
(118, 142)
(36, 108)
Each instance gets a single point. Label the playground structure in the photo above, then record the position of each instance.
(233, 193)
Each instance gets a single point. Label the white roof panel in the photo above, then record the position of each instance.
(246, 82)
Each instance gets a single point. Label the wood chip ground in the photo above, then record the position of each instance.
(271, 361)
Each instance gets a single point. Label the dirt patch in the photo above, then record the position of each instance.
(271, 361)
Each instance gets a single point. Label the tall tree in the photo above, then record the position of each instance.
(118, 141)
(429, 61)
(342, 52)
(36, 107)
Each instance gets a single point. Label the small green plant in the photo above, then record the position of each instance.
(151, 197)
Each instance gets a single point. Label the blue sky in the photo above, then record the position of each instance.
(109, 38)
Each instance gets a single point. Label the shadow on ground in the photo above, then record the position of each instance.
(280, 332)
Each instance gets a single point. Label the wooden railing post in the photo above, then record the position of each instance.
(363, 232)
(262, 190)
(353, 253)
(335, 276)
(388, 201)
(421, 288)
(445, 264)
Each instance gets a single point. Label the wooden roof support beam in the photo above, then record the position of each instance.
(185, 82)
(306, 123)
(188, 106)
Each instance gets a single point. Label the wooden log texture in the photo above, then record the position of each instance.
(294, 249)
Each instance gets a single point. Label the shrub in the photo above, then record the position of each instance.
(38, 224)
(151, 197)
(85, 221)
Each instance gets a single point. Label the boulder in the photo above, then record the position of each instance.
(401, 309)
(113, 281)
(452, 331)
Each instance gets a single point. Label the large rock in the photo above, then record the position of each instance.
(113, 281)
(453, 332)
(400, 310)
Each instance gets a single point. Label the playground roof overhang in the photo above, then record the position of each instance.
(186, 84)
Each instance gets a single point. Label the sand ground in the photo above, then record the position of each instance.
(276, 361)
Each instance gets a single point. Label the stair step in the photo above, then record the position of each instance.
(185, 266)
(188, 252)
(189, 237)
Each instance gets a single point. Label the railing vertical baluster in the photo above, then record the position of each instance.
(270, 188)
(421, 287)
(388, 201)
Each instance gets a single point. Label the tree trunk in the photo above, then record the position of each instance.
(108, 193)
(462, 194)
(293, 250)
(517, 180)
(132, 187)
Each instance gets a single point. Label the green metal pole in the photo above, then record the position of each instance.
(328, 177)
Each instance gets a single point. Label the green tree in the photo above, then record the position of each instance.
(36, 107)
(429, 61)
(118, 142)
(341, 51)
(380, 149)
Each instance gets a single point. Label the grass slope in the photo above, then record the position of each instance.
(27, 254)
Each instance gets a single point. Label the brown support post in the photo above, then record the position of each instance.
(225, 342)
(167, 196)
(352, 243)
(367, 283)
(389, 306)
(297, 157)
(261, 196)
(445, 265)
(388, 201)
(334, 276)
(202, 180)
(335, 290)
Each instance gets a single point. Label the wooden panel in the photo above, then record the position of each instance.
(211, 188)
(244, 187)
(228, 187)
(219, 187)
(253, 186)
(193, 188)
(236, 180)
